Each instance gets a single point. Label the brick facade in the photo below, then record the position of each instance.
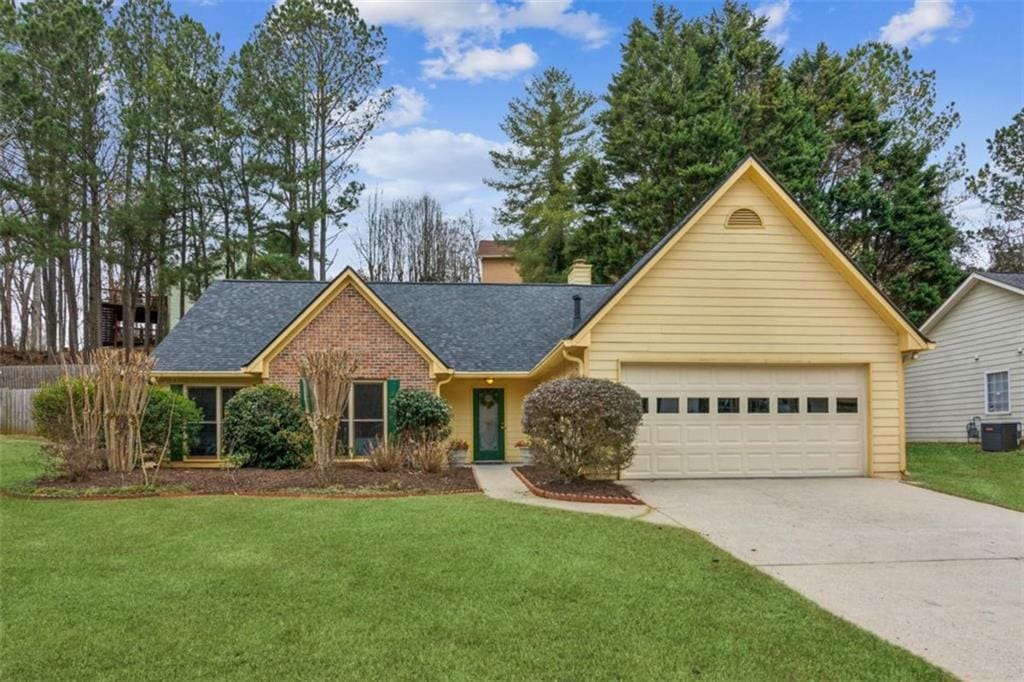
(350, 322)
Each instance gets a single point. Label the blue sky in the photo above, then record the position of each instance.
(456, 64)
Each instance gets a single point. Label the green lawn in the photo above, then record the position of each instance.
(450, 587)
(964, 470)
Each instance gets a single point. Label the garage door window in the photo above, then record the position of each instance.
(698, 405)
(668, 405)
(817, 405)
(997, 392)
(788, 405)
(758, 405)
(846, 405)
(728, 406)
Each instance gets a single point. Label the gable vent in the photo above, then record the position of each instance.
(744, 218)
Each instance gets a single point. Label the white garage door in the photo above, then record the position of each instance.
(723, 420)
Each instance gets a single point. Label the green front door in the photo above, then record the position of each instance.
(488, 424)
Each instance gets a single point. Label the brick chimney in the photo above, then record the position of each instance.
(579, 273)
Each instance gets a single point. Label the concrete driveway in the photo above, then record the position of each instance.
(936, 574)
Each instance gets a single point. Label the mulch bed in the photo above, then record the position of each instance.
(344, 480)
(544, 482)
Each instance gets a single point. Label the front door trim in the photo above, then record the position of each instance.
(493, 456)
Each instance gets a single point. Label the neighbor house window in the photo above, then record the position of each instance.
(997, 392)
(645, 405)
(211, 401)
(668, 405)
(364, 423)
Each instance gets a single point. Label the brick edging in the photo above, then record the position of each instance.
(252, 493)
(572, 497)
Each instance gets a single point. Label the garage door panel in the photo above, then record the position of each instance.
(799, 443)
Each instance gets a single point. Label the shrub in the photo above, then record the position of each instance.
(386, 456)
(172, 418)
(265, 427)
(421, 415)
(428, 456)
(50, 409)
(578, 423)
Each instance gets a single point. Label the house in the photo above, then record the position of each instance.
(497, 262)
(757, 345)
(978, 368)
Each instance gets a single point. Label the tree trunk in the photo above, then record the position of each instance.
(95, 322)
(71, 301)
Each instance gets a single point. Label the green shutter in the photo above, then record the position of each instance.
(306, 396)
(392, 391)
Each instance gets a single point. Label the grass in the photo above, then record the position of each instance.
(964, 470)
(445, 587)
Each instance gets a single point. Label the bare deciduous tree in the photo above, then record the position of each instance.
(412, 240)
(327, 377)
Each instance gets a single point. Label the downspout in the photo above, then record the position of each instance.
(438, 385)
(572, 358)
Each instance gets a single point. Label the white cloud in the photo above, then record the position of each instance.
(468, 34)
(408, 107)
(479, 63)
(444, 163)
(924, 20)
(776, 13)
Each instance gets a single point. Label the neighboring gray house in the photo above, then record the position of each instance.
(977, 367)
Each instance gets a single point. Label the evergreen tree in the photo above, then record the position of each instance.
(690, 100)
(550, 135)
(999, 184)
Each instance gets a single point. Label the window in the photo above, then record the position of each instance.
(787, 405)
(728, 406)
(668, 405)
(211, 401)
(846, 405)
(817, 405)
(758, 405)
(997, 392)
(698, 405)
(645, 405)
(363, 426)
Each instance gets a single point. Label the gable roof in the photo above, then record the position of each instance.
(910, 337)
(1011, 281)
(489, 327)
(469, 327)
(231, 322)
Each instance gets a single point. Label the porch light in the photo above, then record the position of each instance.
(489, 381)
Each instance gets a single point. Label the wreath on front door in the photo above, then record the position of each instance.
(487, 400)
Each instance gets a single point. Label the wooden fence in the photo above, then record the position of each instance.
(18, 384)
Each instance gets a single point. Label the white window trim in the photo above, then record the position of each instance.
(1009, 392)
(219, 422)
(349, 417)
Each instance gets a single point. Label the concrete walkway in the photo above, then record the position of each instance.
(936, 574)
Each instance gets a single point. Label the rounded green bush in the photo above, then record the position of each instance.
(51, 411)
(265, 427)
(580, 424)
(422, 415)
(170, 413)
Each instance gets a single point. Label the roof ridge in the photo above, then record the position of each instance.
(243, 280)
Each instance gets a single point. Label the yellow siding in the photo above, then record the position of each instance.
(756, 296)
(459, 394)
(499, 271)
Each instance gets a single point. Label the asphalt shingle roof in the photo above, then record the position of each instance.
(470, 327)
(1013, 279)
(489, 327)
(231, 323)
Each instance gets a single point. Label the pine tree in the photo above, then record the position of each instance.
(690, 100)
(999, 184)
(549, 130)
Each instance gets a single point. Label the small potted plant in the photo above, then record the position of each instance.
(525, 453)
(457, 452)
